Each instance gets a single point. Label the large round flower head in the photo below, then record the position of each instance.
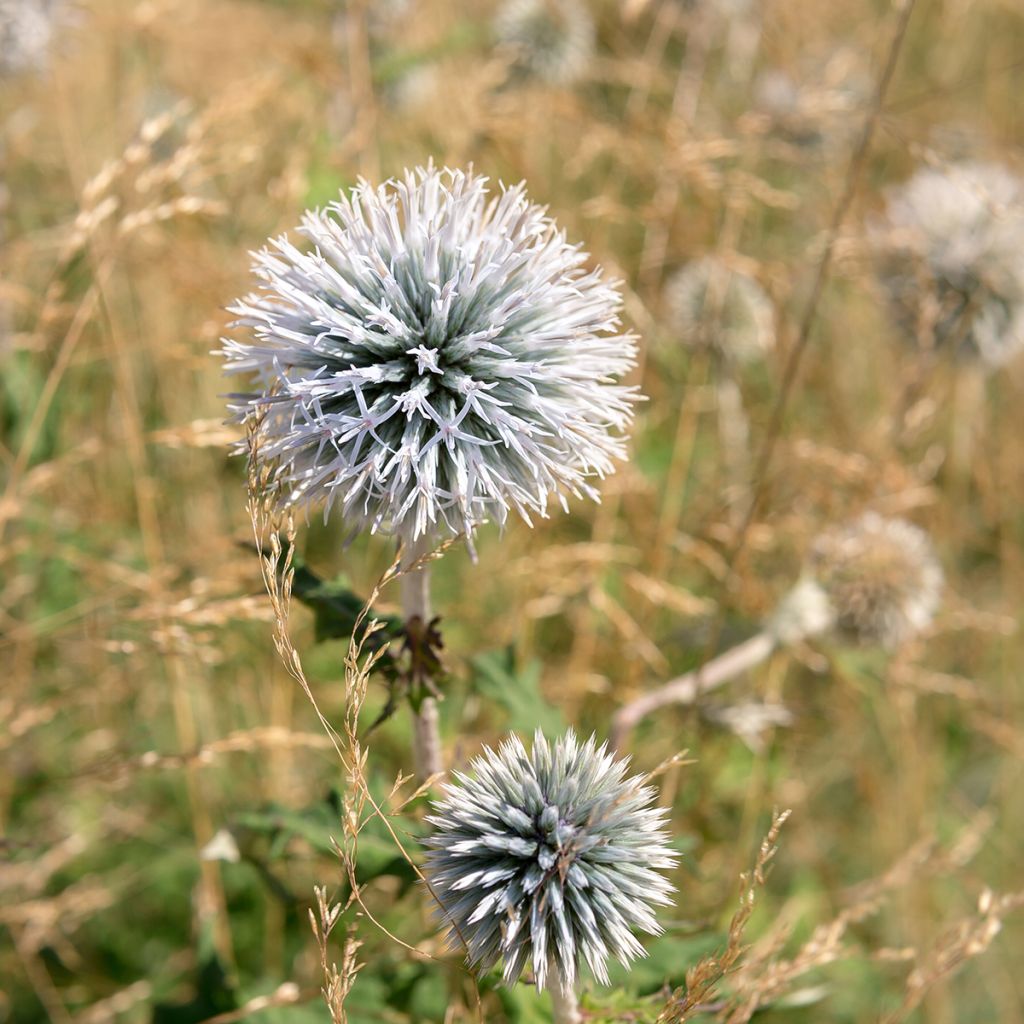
(708, 304)
(951, 256)
(26, 30)
(552, 39)
(439, 356)
(550, 857)
(881, 577)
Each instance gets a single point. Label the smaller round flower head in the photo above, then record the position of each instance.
(951, 255)
(813, 110)
(881, 577)
(26, 30)
(549, 857)
(438, 357)
(551, 39)
(711, 305)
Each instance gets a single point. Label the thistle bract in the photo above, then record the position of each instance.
(952, 262)
(710, 305)
(551, 39)
(439, 356)
(549, 857)
(881, 577)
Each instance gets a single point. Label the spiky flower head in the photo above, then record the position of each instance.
(711, 305)
(26, 30)
(549, 857)
(550, 39)
(439, 356)
(951, 258)
(881, 577)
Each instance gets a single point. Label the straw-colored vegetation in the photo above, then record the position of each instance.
(188, 773)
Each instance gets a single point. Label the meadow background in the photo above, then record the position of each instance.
(143, 710)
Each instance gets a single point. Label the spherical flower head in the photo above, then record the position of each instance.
(26, 30)
(951, 255)
(813, 109)
(549, 857)
(439, 356)
(882, 579)
(712, 306)
(550, 39)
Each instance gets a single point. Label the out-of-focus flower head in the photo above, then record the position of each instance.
(27, 28)
(550, 857)
(550, 39)
(815, 108)
(708, 304)
(881, 577)
(440, 355)
(951, 258)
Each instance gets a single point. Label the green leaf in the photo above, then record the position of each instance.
(213, 995)
(336, 607)
(376, 853)
(516, 690)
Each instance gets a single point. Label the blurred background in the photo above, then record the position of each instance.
(167, 796)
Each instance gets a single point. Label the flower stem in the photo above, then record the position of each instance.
(564, 1003)
(415, 584)
(685, 689)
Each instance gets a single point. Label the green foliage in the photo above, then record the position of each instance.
(516, 690)
(336, 607)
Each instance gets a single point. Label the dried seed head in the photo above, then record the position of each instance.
(952, 262)
(881, 577)
(713, 306)
(440, 356)
(550, 857)
(550, 39)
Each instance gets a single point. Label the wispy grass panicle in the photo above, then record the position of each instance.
(439, 356)
(550, 857)
(951, 259)
(552, 40)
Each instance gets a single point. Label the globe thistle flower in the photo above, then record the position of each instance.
(711, 305)
(550, 39)
(549, 857)
(881, 577)
(438, 357)
(26, 31)
(950, 257)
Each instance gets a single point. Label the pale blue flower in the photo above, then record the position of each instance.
(550, 857)
(438, 356)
